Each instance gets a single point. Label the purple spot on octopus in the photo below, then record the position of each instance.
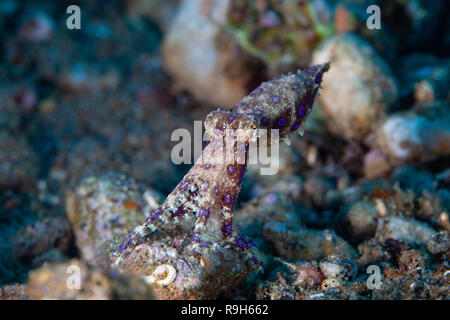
(301, 110)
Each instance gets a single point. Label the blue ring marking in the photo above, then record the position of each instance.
(228, 198)
(308, 83)
(276, 99)
(230, 168)
(184, 185)
(280, 122)
(301, 110)
(241, 146)
(264, 120)
(216, 191)
(203, 213)
(295, 86)
(258, 112)
(207, 186)
(208, 166)
(231, 118)
(243, 240)
(296, 126)
(156, 214)
(196, 234)
(229, 229)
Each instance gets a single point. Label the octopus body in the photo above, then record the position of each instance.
(199, 211)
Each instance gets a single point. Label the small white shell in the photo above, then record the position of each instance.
(170, 271)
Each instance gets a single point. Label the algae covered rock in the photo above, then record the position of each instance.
(359, 220)
(282, 34)
(404, 229)
(306, 244)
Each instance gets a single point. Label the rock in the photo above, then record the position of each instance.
(359, 220)
(271, 206)
(202, 58)
(425, 77)
(316, 188)
(411, 261)
(404, 229)
(359, 87)
(430, 208)
(178, 273)
(376, 164)
(306, 244)
(103, 208)
(282, 34)
(278, 289)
